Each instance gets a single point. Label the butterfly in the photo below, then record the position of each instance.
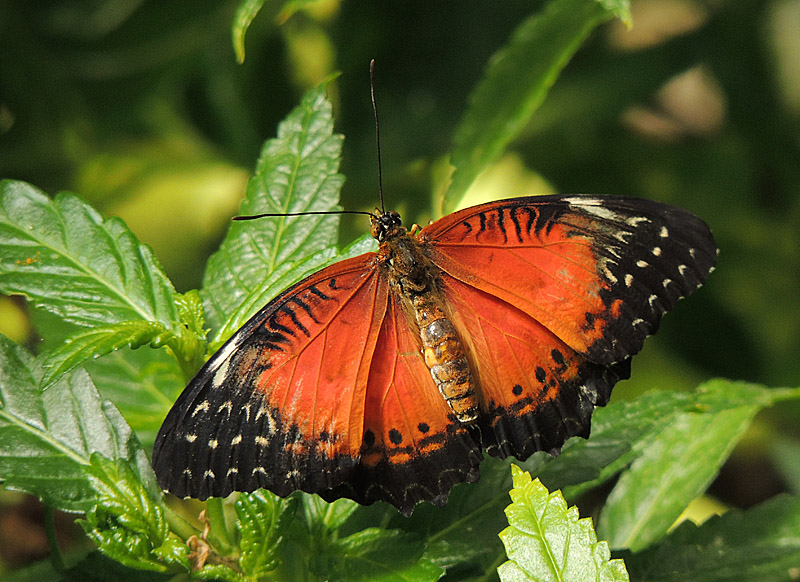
(384, 377)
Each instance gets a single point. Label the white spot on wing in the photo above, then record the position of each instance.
(190, 438)
(232, 471)
(236, 440)
(227, 405)
(209, 474)
(664, 232)
(609, 275)
(642, 264)
(593, 206)
(262, 441)
(221, 374)
(212, 444)
(657, 251)
(202, 407)
(628, 280)
(635, 220)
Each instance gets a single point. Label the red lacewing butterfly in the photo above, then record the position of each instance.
(383, 377)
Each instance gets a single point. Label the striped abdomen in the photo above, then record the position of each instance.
(444, 356)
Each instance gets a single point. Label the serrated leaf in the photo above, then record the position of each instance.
(679, 463)
(65, 258)
(128, 522)
(546, 540)
(263, 519)
(762, 543)
(89, 272)
(517, 81)
(95, 342)
(297, 172)
(142, 384)
(377, 555)
(218, 572)
(47, 437)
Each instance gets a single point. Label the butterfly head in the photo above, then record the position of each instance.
(385, 225)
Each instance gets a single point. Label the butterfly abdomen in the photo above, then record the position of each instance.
(413, 283)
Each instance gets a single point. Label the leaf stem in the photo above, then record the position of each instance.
(219, 534)
(56, 558)
(178, 524)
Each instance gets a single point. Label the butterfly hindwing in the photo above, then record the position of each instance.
(414, 449)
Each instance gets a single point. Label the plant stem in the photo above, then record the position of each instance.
(219, 534)
(52, 540)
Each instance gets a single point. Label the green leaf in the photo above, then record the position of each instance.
(679, 463)
(65, 258)
(297, 172)
(128, 522)
(95, 342)
(619, 433)
(245, 14)
(762, 543)
(263, 519)
(142, 384)
(47, 437)
(88, 272)
(376, 555)
(517, 81)
(546, 540)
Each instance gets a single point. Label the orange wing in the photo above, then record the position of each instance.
(324, 390)
(281, 404)
(552, 295)
(414, 449)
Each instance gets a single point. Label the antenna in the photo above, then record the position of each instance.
(380, 174)
(377, 129)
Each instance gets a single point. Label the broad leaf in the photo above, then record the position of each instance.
(679, 463)
(762, 543)
(518, 80)
(143, 384)
(91, 273)
(47, 437)
(65, 258)
(128, 522)
(377, 555)
(547, 541)
(263, 520)
(297, 172)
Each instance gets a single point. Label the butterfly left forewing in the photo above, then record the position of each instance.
(281, 404)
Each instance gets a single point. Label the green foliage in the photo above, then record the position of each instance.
(517, 82)
(546, 540)
(297, 172)
(76, 419)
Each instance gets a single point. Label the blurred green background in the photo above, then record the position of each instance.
(140, 107)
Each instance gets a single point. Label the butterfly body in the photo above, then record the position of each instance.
(498, 328)
(413, 282)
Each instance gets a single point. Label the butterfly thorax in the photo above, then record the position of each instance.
(412, 279)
